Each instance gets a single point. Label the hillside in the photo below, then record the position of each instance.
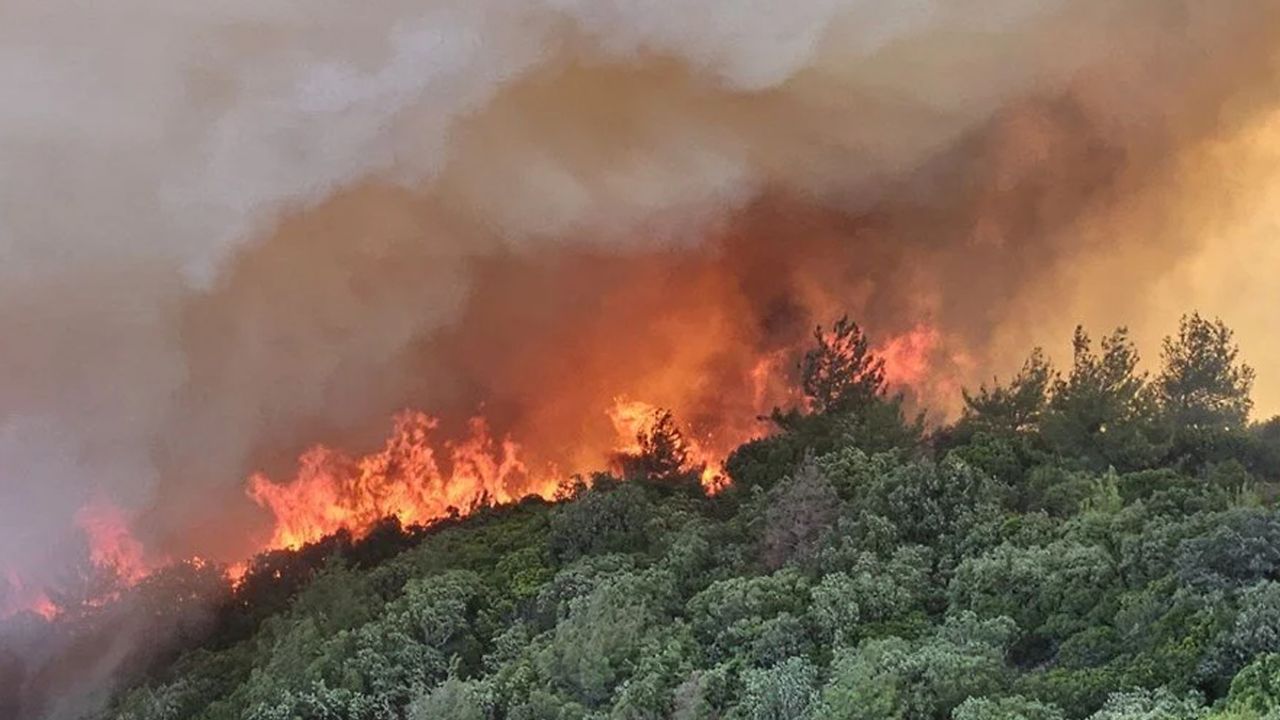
(1090, 542)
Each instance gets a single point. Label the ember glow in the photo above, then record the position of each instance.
(115, 560)
(906, 357)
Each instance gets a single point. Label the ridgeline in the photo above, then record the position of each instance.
(1090, 542)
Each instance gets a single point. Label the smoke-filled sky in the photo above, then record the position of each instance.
(231, 229)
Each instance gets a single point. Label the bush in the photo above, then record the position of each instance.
(786, 691)
(602, 520)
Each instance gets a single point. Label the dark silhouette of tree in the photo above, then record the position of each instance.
(844, 382)
(606, 518)
(1014, 408)
(663, 452)
(1266, 448)
(1102, 412)
(1203, 384)
(663, 448)
(841, 373)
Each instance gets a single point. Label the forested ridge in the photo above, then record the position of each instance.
(1090, 541)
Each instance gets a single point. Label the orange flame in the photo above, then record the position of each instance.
(908, 357)
(112, 549)
(769, 382)
(44, 607)
(333, 491)
(111, 544)
(418, 477)
(236, 571)
(633, 419)
(928, 365)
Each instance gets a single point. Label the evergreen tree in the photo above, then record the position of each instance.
(1203, 383)
(1014, 408)
(841, 373)
(1103, 412)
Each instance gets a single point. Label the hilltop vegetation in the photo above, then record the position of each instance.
(1085, 543)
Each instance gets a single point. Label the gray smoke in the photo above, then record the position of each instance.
(227, 228)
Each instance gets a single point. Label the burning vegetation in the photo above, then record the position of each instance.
(843, 508)
(287, 293)
(418, 478)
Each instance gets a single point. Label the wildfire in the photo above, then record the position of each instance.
(111, 545)
(631, 419)
(419, 476)
(907, 357)
(20, 596)
(418, 479)
(635, 419)
(44, 607)
(114, 555)
(333, 491)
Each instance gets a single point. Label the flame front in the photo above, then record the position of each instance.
(420, 475)
(333, 491)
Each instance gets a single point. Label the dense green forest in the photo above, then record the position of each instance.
(1085, 542)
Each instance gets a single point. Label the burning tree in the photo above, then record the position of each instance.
(845, 385)
(841, 373)
(661, 451)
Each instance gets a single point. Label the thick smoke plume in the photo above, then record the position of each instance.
(229, 230)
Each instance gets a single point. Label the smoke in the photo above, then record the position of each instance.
(232, 229)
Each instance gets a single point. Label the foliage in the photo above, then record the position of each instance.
(1014, 707)
(661, 454)
(603, 519)
(1051, 591)
(1203, 383)
(787, 691)
(1102, 413)
(1011, 409)
(841, 373)
(1149, 705)
(898, 678)
(799, 514)
(1091, 545)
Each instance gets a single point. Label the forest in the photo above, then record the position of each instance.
(1090, 541)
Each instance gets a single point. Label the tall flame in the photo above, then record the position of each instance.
(419, 476)
(333, 491)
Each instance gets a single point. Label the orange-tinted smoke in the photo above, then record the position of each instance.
(418, 477)
(112, 545)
